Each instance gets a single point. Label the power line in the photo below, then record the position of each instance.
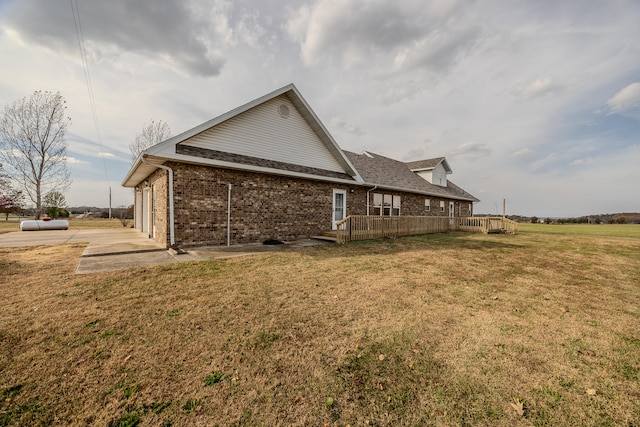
(87, 77)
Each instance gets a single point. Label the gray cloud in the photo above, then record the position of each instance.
(343, 126)
(470, 150)
(407, 35)
(173, 31)
(519, 80)
(538, 88)
(440, 50)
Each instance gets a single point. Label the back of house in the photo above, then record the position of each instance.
(269, 169)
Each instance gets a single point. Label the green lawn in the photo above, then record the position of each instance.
(595, 230)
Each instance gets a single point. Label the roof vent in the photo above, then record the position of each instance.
(283, 110)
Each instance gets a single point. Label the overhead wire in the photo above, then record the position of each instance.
(87, 76)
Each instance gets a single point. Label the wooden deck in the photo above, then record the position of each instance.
(362, 227)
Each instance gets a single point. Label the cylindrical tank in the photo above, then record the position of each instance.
(35, 225)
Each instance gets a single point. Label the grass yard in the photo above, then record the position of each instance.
(453, 329)
(594, 230)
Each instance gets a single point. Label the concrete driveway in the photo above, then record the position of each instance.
(99, 240)
(114, 249)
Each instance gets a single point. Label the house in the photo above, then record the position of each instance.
(270, 169)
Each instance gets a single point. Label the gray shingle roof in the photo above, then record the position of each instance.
(385, 172)
(425, 164)
(255, 161)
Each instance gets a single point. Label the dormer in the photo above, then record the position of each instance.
(434, 171)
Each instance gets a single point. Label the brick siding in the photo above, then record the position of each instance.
(262, 206)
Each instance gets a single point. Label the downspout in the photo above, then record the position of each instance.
(229, 216)
(369, 190)
(170, 171)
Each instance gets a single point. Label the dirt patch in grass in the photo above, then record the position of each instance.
(454, 329)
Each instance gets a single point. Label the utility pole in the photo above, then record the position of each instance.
(109, 203)
(504, 208)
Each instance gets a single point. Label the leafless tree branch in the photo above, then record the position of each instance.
(32, 144)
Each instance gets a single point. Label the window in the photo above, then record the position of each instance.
(441, 205)
(395, 210)
(386, 204)
(427, 205)
(377, 204)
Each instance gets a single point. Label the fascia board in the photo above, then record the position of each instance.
(132, 170)
(446, 166)
(422, 169)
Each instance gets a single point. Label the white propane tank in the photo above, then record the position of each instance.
(35, 225)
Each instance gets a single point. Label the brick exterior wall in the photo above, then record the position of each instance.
(262, 206)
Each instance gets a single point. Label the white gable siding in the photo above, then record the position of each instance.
(439, 175)
(262, 132)
(426, 175)
(436, 176)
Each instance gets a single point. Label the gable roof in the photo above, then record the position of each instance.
(194, 145)
(384, 172)
(429, 164)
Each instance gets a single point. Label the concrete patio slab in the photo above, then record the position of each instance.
(98, 240)
(121, 249)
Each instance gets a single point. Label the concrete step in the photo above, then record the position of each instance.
(324, 237)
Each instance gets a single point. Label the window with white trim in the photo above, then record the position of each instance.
(395, 209)
(386, 204)
(377, 204)
(441, 205)
(427, 205)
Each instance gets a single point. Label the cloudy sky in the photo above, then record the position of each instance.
(536, 102)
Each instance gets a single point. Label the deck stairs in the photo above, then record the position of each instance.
(327, 235)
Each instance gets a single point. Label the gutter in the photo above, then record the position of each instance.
(229, 216)
(170, 171)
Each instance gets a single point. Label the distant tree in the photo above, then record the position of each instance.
(10, 202)
(152, 134)
(55, 204)
(32, 145)
(534, 220)
(621, 220)
(10, 199)
(548, 221)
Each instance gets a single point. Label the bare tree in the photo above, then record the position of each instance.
(151, 134)
(32, 145)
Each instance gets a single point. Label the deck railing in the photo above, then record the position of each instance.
(363, 227)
